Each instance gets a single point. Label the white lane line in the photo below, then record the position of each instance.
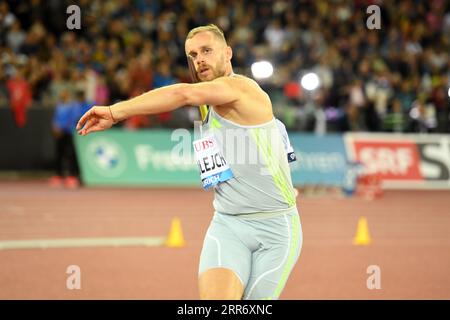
(81, 243)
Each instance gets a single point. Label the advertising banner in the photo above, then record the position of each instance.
(403, 161)
(134, 158)
(166, 158)
(321, 160)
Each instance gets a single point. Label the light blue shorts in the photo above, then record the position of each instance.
(261, 250)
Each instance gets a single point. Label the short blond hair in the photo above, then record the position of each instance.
(210, 28)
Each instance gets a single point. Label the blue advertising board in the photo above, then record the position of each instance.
(321, 160)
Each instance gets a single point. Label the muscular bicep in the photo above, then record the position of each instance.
(216, 92)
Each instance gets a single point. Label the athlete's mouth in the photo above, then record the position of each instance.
(203, 70)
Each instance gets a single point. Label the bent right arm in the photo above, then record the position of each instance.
(168, 98)
(216, 92)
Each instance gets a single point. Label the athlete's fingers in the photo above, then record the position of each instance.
(89, 114)
(91, 126)
(83, 119)
(88, 124)
(92, 129)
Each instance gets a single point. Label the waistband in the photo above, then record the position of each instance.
(263, 214)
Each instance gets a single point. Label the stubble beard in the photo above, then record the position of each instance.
(217, 71)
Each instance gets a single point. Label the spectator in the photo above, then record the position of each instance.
(101, 92)
(441, 101)
(423, 116)
(163, 78)
(275, 35)
(395, 120)
(15, 37)
(67, 112)
(3, 89)
(362, 72)
(7, 18)
(19, 96)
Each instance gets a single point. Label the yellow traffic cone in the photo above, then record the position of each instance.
(362, 237)
(175, 238)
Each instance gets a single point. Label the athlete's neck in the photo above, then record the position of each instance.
(230, 74)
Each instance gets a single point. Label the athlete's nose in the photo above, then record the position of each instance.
(200, 60)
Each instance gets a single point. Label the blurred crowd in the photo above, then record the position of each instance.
(395, 78)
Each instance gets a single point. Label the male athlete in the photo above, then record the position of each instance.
(255, 236)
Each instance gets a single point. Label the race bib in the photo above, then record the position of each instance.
(213, 167)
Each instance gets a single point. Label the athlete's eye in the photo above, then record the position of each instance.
(207, 50)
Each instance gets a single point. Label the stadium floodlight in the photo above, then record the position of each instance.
(310, 81)
(448, 92)
(262, 69)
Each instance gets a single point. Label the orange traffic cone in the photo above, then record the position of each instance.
(175, 238)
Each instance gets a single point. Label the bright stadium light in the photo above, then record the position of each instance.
(448, 92)
(310, 81)
(262, 69)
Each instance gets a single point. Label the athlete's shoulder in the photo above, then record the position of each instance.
(235, 78)
(241, 83)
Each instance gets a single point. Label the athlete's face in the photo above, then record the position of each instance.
(209, 55)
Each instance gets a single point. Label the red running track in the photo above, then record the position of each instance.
(410, 231)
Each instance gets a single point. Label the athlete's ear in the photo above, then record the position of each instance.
(229, 53)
